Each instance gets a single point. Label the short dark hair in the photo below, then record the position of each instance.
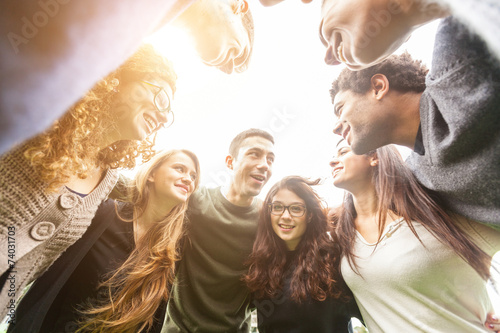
(403, 72)
(238, 139)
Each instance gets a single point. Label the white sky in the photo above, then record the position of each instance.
(285, 90)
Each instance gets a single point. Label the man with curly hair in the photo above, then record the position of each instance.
(450, 118)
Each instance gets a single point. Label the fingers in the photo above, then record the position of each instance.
(492, 323)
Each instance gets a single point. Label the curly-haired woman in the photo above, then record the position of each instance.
(51, 186)
(293, 269)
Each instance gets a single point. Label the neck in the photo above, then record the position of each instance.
(420, 12)
(238, 199)
(155, 211)
(366, 203)
(407, 121)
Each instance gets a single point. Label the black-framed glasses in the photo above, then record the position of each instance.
(295, 210)
(161, 99)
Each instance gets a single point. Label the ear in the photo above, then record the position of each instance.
(379, 86)
(241, 7)
(229, 162)
(151, 178)
(374, 160)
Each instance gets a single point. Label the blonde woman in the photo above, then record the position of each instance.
(51, 186)
(133, 248)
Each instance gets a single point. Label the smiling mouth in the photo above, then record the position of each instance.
(346, 132)
(151, 122)
(286, 226)
(335, 172)
(258, 178)
(183, 187)
(340, 53)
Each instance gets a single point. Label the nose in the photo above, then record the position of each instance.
(334, 162)
(186, 179)
(286, 214)
(338, 127)
(263, 164)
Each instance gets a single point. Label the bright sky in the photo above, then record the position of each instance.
(285, 90)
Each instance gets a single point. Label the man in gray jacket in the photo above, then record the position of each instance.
(450, 118)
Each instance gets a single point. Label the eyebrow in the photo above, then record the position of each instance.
(292, 203)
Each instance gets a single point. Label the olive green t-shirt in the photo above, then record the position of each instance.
(208, 294)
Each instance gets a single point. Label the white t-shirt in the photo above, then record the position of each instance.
(406, 287)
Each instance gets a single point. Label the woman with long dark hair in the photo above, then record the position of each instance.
(410, 264)
(134, 256)
(293, 270)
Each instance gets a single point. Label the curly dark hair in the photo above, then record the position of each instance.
(72, 146)
(403, 72)
(316, 272)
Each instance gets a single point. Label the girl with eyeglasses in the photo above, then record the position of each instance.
(411, 265)
(52, 184)
(293, 270)
(131, 247)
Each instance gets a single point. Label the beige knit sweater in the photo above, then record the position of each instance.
(36, 227)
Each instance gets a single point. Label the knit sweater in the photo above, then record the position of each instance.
(36, 226)
(481, 17)
(457, 153)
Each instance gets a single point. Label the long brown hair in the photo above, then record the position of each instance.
(72, 145)
(316, 274)
(141, 284)
(399, 192)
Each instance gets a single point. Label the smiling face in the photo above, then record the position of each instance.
(351, 172)
(174, 179)
(252, 167)
(134, 108)
(361, 33)
(363, 121)
(287, 227)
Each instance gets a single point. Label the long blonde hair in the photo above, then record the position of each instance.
(72, 145)
(138, 287)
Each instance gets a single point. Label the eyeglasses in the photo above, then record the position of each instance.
(161, 99)
(295, 210)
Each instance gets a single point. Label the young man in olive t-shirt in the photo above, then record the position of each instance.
(208, 294)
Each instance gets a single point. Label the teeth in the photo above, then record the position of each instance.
(151, 123)
(284, 226)
(340, 52)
